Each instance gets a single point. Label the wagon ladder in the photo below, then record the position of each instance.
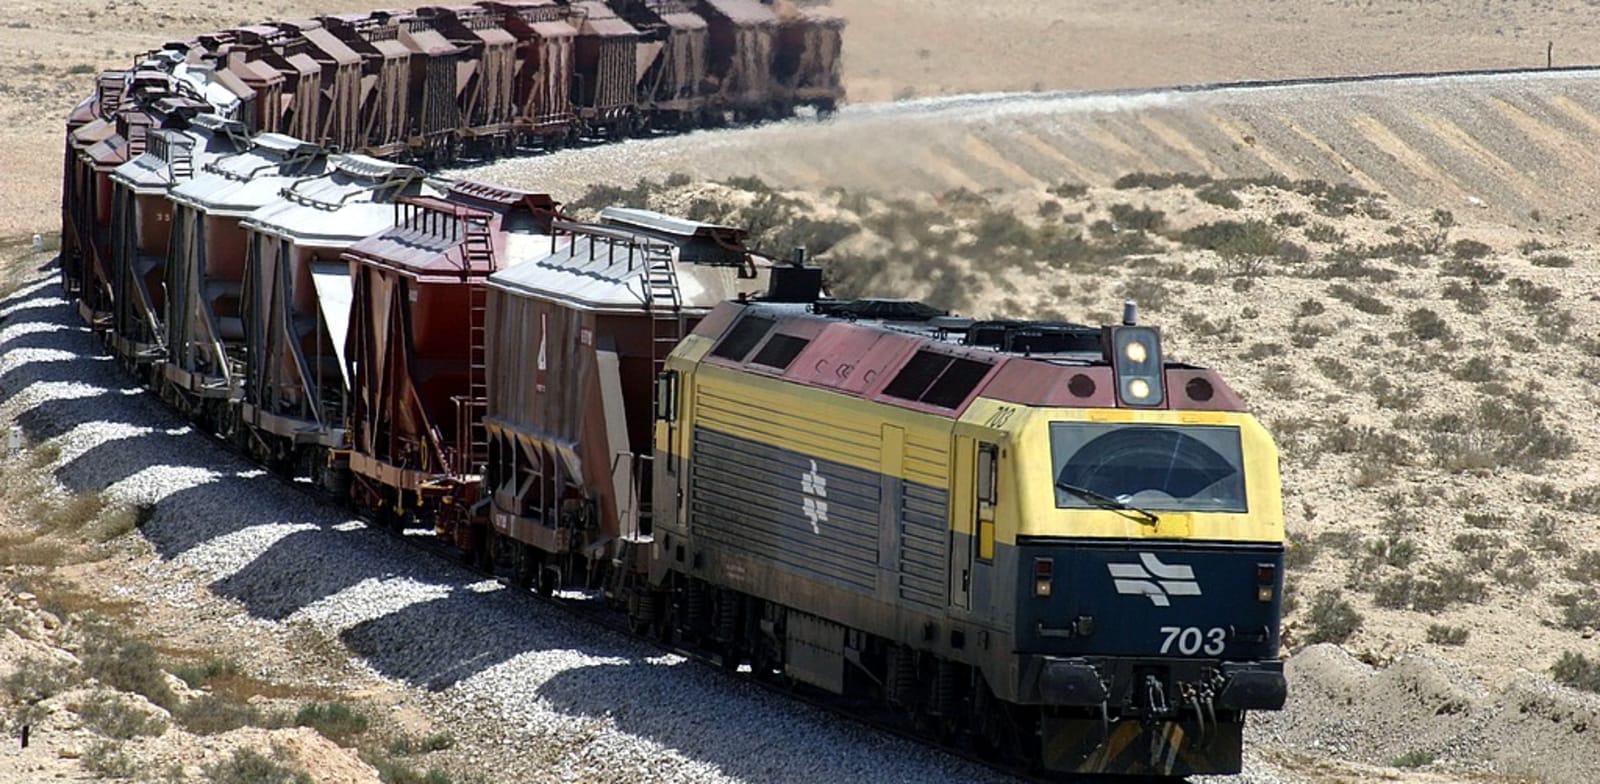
(472, 439)
(665, 302)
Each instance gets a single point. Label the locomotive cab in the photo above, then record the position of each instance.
(1132, 548)
(1042, 536)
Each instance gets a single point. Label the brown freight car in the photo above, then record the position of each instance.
(742, 48)
(576, 335)
(486, 76)
(806, 69)
(543, 82)
(295, 302)
(143, 227)
(205, 268)
(339, 106)
(606, 69)
(92, 122)
(114, 145)
(672, 61)
(435, 82)
(416, 345)
(385, 94)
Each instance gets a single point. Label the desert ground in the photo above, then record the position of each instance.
(1397, 275)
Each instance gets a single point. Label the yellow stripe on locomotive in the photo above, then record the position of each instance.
(1074, 528)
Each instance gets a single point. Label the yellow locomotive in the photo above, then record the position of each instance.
(1042, 539)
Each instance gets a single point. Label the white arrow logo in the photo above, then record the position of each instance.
(1150, 577)
(814, 491)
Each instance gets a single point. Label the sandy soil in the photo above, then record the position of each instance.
(895, 49)
(922, 48)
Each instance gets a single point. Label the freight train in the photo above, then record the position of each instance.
(1042, 541)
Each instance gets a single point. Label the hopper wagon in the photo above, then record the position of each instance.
(672, 61)
(605, 72)
(141, 201)
(806, 67)
(487, 74)
(435, 115)
(741, 50)
(416, 347)
(205, 267)
(384, 98)
(92, 122)
(295, 309)
(576, 335)
(541, 85)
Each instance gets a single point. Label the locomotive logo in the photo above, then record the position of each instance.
(814, 492)
(1150, 577)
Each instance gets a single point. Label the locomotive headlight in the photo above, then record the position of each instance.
(1266, 581)
(1043, 575)
(1135, 356)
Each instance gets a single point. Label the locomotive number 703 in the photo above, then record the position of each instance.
(1190, 640)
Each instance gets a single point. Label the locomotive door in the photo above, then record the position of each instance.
(963, 470)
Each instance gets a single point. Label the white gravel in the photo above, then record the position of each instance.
(563, 699)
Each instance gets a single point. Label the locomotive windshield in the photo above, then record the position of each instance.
(1190, 468)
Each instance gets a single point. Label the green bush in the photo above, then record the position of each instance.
(405, 744)
(1555, 261)
(1140, 219)
(1159, 182)
(126, 664)
(1577, 670)
(1470, 249)
(1533, 295)
(1069, 190)
(110, 716)
(211, 714)
(106, 760)
(1221, 195)
(198, 675)
(1580, 609)
(1468, 298)
(249, 767)
(335, 720)
(1427, 325)
(1414, 758)
(1475, 271)
(1366, 303)
(1442, 634)
(1330, 619)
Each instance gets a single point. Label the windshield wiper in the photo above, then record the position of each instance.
(1107, 502)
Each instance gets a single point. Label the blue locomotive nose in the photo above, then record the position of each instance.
(1216, 602)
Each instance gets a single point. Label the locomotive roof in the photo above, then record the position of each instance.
(352, 200)
(237, 185)
(606, 269)
(906, 354)
(1054, 341)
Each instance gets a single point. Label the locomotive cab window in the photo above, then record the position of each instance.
(988, 489)
(667, 395)
(937, 379)
(780, 351)
(737, 344)
(1190, 468)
